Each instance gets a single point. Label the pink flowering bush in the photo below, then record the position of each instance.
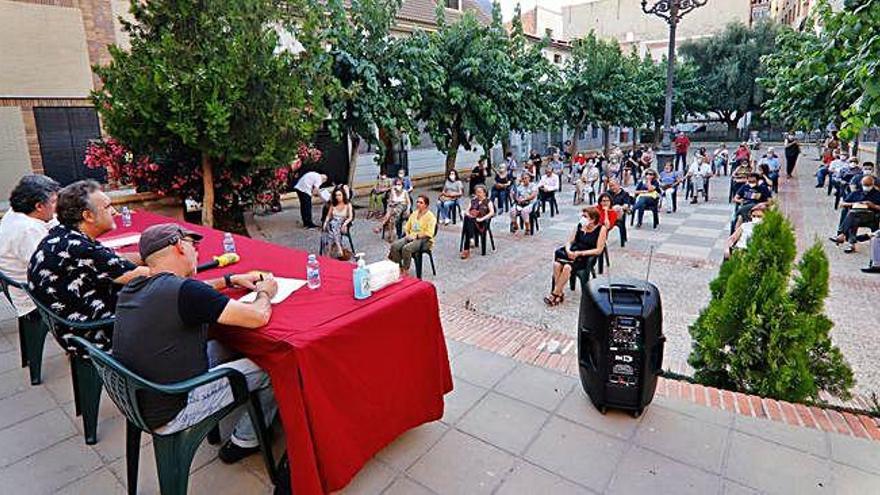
(181, 176)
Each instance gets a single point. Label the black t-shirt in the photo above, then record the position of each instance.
(758, 194)
(161, 335)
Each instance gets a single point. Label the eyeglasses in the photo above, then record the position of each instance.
(194, 242)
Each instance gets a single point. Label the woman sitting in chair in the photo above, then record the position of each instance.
(607, 213)
(587, 241)
(476, 219)
(397, 210)
(336, 224)
(647, 196)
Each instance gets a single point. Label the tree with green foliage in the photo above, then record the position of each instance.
(764, 333)
(729, 65)
(827, 75)
(462, 103)
(210, 84)
(596, 85)
(377, 74)
(688, 97)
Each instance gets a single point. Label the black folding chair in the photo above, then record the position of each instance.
(31, 333)
(417, 257)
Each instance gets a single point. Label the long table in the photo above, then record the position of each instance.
(349, 376)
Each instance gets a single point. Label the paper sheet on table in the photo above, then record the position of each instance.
(286, 287)
(121, 241)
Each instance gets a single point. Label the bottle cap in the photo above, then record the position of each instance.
(313, 257)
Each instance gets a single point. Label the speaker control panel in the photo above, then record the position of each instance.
(626, 333)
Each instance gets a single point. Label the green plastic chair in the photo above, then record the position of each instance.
(174, 452)
(31, 335)
(86, 383)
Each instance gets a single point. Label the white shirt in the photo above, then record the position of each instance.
(549, 182)
(706, 169)
(19, 237)
(747, 229)
(308, 182)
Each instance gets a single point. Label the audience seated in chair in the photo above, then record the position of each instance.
(669, 180)
(750, 194)
(418, 235)
(861, 208)
(525, 195)
(586, 242)
(647, 196)
(397, 210)
(500, 195)
(740, 237)
(336, 224)
(71, 272)
(161, 333)
(622, 203)
(547, 187)
(453, 189)
(476, 219)
(587, 184)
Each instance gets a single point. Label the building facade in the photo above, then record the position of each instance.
(625, 21)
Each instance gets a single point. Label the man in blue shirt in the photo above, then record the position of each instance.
(861, 208)
(773, 165)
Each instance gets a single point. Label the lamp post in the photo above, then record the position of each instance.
(671, 11)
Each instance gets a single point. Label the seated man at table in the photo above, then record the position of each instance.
(161, 333)
(24, 225)
(71, 272)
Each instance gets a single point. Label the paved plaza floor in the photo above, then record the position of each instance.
(510, 427)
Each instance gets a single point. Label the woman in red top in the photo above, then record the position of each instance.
(607, 214)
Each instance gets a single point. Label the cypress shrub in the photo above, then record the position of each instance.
(764, 331)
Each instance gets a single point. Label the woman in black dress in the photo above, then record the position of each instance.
(476, 218)
(792, 151)
(586, 242)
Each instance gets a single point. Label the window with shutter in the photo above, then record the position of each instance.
(64, 133)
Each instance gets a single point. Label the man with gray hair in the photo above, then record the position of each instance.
(24, 225)
(162, 334)
(71, 272)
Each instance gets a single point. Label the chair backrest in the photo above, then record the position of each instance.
(6, 283)
(120, 383)
(60, 327)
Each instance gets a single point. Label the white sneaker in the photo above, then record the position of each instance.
(446, 221)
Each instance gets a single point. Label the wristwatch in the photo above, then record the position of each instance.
(228, 279)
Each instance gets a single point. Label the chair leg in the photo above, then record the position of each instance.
(34, 334)
(601, 262)
(132, 456)
(431, 257)
(491, 237)
(87, 391)
(214, 436)
(417, 260)
(22, 343)
(174, 455)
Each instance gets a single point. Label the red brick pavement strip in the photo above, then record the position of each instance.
(523, 342)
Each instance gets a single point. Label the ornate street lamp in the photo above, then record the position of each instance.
(671, 11)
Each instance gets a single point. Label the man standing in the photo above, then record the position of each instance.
(24, 225)
(682, 144)
(161, 333)
(71, 272)
(773, 165)
(307, 186)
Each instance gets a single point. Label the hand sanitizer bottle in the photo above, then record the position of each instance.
(361, 278)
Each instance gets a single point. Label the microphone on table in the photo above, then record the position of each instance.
(224, 259)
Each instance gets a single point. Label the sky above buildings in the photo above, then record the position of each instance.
(507, 6)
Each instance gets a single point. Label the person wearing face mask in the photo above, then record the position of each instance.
(525, 196)
(740, 237)
(861, 209)
(501, 189)
(585, 244)
(749, 195)
(398, 207)
(773, 167)
(407, 182)
(587, 183)
(478, 175)
(452, 190)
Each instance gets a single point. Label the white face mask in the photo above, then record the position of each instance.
(757, 219)
(866, 187)
(585, 221)
(452, 178)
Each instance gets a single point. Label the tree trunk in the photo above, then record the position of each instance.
(505, 145)
(635, 138)
(387, 152)
(452, 153)
(208, 193)
(731, 129)
(355, 142)
(578, 129)
(658, 133)
(231, 220)
(606, 139)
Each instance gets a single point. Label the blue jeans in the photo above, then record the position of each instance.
(499, 197)
(444, 209)
(642, 203)
(821, 174)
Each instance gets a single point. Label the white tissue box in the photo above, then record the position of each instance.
(383, 273)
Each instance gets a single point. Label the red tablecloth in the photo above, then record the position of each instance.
(349, 376)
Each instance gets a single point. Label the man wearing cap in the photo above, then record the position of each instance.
(161, 333)
(71, 272)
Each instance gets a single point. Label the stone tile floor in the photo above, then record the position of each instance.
(509, 428)
(688, 247)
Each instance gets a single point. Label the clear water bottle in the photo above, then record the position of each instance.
(313, 272)
(228, 243)
(126, 217)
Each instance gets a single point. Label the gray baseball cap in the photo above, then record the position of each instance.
(160, 236)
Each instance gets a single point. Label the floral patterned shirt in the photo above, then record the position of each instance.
(73, 276)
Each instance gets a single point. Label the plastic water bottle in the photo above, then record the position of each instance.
(228, 243)
(126, 217)
(313, 272)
